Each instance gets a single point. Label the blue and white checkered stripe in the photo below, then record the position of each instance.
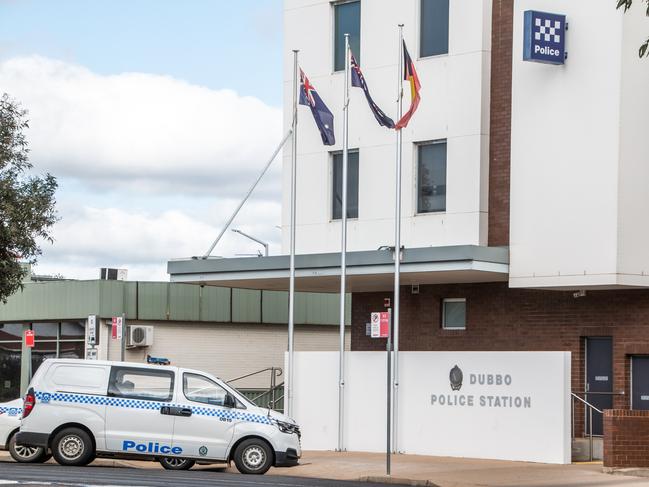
(228, 414)
(11, 411)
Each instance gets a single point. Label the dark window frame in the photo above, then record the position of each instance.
(419, 146)
(444, 51)
(332, 157)
(454, 300)
(115, 369)
(355, 49)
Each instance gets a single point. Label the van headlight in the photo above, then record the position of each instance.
(287, 428)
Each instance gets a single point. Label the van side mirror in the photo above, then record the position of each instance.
(229, 401)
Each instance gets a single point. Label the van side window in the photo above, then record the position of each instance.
(134, 383)
(201, 389)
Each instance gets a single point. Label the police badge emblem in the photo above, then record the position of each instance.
(455, 376)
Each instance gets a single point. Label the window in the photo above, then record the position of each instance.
(134, 383)
(352, 185)
(57, 340)
(10, 358)
(347, 20)
(454, 314)
(433, 28)
(201, 389)
(431, 177)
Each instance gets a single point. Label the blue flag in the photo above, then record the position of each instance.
(324, 119)
(358, 80)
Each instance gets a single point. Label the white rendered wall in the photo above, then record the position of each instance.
(633, 183)
(537, 431)
(224, 349)
(454, 106)
(578, 158)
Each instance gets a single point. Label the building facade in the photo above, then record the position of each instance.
(523, 184)
(226, 332)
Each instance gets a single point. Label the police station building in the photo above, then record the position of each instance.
(524, 184)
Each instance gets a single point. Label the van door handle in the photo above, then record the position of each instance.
(165, 410)
(185, 412)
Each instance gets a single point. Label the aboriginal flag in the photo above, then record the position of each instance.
(358, 80)
(410, 75)
(323, 117)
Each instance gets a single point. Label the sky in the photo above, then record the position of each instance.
(155, 116)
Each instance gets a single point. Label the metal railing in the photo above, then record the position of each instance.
(274, 399)
(589, 408)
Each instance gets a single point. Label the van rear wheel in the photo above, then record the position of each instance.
(73, 446)
(253, 456)
(176, 463)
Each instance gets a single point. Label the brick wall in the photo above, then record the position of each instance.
(500, 318)
(626, 438)
(500, 121)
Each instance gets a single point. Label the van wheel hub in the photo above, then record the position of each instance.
(26, 451)
(254, 457)
(71, 447)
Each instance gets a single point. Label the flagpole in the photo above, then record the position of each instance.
(397, 249)
(343, 253)
(291, 285)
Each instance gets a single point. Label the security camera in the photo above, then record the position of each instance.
(579, 294)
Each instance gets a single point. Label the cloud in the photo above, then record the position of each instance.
(89, 238)
(142, 132)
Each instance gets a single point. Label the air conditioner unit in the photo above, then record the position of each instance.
(139, 336)
(109, 274)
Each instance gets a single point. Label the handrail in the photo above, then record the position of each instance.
(591, 408)
(595, 393)
(277, 371)
(586, 402)
(269, 391)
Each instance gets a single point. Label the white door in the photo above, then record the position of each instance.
(208, 430)
(137, 413)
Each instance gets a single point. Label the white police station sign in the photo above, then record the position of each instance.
(495, 405)
(545, 37)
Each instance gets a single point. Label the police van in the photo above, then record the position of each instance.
(81, 409)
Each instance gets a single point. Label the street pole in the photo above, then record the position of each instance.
(397, 246)
(291, 285)
(123, 352)
(388, 446)
(343, 254)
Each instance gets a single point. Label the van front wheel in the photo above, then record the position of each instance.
(253, 456)
(73, 446)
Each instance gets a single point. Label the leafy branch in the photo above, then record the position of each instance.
(644, 48)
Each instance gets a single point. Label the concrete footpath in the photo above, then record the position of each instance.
(431, 471)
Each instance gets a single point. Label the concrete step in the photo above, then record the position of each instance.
(581, 449)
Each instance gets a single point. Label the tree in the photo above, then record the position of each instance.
(644, 48)
(27, 201)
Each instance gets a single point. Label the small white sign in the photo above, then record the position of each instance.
(644, 398)
(92, 330)
(601, 378)
(375, 323)
(91, 354)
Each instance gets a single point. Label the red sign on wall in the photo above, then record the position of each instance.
(29, 338)
(116, 329)
(380, 324)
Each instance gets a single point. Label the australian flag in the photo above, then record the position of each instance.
(358, 80)
(324, 119)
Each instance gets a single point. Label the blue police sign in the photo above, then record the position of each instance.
(545, 37)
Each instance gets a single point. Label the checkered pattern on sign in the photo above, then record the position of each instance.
(119, 402)
(547, 30)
